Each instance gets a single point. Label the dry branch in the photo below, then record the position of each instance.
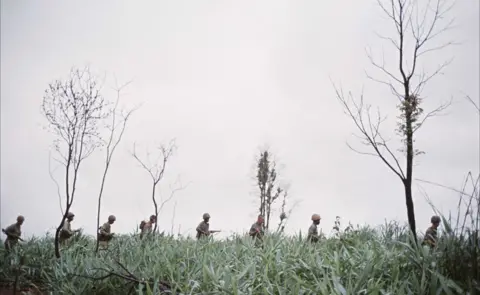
(117, 129)
(405, 81)
(477, 107)
(125, 274)
(156, 170)
(74, 109)
(50, 172)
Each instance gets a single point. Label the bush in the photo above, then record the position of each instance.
(356, 261)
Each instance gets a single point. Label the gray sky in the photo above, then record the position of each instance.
(225, 78)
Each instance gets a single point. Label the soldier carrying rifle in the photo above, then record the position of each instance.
(313, 230)
(66, 232)
(13, 233)
(104, 232)
(203, 229)
(146, 227)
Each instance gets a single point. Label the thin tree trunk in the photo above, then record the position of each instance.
(100, 205)
(410, 210)
(408, 180)
(156, 208)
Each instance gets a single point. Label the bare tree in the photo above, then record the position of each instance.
(116, 129)
(284, 214)
(420, 26)
(475, 105)
(156, 172)
(50, 172)
(176, 187)
(268, 185)
(74, 108)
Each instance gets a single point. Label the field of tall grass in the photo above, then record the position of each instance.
(360, 260)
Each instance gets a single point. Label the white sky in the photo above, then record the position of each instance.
(225, 78)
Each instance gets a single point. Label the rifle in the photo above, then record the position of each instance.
(11, 236)
(215, 231)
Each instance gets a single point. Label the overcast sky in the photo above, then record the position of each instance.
(226, 78)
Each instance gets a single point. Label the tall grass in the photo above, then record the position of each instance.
(360, 260)
(459, 246)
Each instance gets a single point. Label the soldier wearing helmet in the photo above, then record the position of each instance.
(430, 238)
(256, 230)
(203, 228)
(313, 230)
(104, 234)
(13, 233)
(66, 231)
(146, 227)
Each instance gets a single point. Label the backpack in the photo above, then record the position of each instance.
(142, 224)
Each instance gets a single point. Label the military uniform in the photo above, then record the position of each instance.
(104, 235)
(66, 231)
(13, 233)
(430, 237)
(146, 227)
(257, 231)
(313, 230)
(312, 233)
(203, 229)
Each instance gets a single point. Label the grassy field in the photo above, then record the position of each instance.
(361, 261)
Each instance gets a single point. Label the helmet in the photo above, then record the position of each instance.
(20, 218)
(435, 219)
(315, 217)
(112, 218)
(206, 215)
(153, 217)
(70, 215)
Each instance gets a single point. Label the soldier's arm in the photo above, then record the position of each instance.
(11, 232)
(201, 229)
(315, 236)
(253, 231)
(430, 235)
(104, 231)
(66, 228)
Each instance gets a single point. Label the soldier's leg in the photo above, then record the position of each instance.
(7, 245)
(103, 244)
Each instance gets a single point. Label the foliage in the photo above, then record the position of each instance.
(269, 188)
(361, 260)
(74, 109)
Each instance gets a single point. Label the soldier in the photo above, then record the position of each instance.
(430, 238)
(256, 231)
(104, 234)
(66, 231)
(203, 229)
(312, 230)
(147, 226)
(13, 233)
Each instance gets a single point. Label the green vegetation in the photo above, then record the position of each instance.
(354, 261)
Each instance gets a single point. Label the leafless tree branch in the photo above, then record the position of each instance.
(420, 26)
(370, 130)
(473, 103)
(433, 113)
(74, 109)
(157, 170)
(50, 172)
(117, 129)
(177, 186)
(461, 192)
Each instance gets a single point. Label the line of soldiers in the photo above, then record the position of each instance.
(256, 231)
